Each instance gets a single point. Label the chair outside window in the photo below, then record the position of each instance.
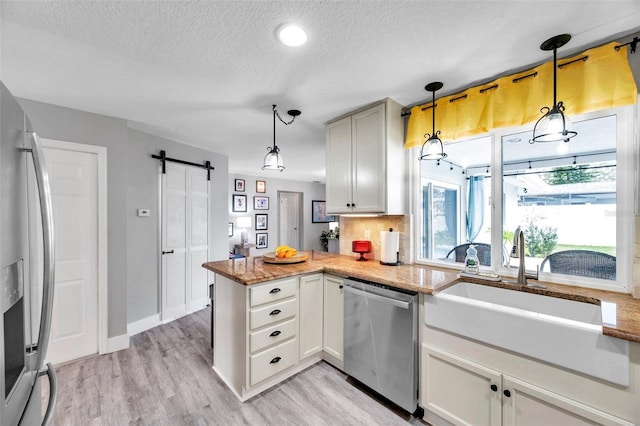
(458, 253)
(584, 263)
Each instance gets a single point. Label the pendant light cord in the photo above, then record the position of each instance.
(274, 127)
(433, 113)
(555, 81)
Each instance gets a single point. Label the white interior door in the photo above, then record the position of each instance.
(289, 219)
(74, 179)
(185, 240)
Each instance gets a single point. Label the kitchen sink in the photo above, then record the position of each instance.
(563, 332)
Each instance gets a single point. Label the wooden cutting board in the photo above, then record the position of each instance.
(271, 257)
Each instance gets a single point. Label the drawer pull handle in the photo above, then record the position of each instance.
(274, 291)
(507, 393)
(275, 312)
(275, 360)
(275, 333)
(494, 388)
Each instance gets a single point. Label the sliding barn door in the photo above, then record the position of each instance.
(185, 240)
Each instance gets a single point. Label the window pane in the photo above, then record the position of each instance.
(455, 198)
(563, 196)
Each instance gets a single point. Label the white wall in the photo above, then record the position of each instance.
(310, 232)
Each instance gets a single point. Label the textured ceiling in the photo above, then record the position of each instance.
(207, 72)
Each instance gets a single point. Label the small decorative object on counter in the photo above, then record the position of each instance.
(471, 260)
(362, 247)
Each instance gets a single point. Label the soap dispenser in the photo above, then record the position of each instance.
(471, 263)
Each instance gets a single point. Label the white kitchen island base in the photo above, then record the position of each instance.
(265, 333)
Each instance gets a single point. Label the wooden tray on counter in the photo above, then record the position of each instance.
(272, 258)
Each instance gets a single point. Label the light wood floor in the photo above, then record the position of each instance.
(165, 378)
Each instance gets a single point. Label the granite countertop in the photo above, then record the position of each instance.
(423, 279)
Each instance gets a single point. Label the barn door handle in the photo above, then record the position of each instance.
(167, 252)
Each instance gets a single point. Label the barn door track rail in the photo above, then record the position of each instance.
(163, 158)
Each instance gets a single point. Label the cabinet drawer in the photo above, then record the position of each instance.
(272, 361)
(272, 292)
(273, 313)
(271, 335)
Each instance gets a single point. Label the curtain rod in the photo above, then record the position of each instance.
(163, 159)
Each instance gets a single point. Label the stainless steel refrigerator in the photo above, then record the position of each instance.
(27, 269)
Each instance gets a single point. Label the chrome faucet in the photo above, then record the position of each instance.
(517, 252)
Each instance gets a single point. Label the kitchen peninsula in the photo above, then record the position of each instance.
(272, 321)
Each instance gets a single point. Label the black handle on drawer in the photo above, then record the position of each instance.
(348, 204)
(275, 333)
(275, 312)
(494, 388)
(275, 360)
(507, 393)
(341, 286)
(168, 252)
(275, 290)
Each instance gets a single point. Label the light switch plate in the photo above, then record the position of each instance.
(144, 212)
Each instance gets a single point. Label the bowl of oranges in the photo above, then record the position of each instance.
(285, 254)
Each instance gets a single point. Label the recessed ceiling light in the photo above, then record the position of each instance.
(292, 35)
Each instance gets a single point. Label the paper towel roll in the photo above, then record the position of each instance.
(389, 246)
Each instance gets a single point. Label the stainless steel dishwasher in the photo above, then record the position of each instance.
(381, 340)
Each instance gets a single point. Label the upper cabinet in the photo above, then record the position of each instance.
(365, 161)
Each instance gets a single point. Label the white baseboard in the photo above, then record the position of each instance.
(117, 343)
(143, 324)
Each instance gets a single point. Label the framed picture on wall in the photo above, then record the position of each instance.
(262, 240)
(319, 212)
(239, 203)
(261, 221)
(239, 185)
(261, 186)
(230, 229)
(261, 203)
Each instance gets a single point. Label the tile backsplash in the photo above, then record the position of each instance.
(356, 228)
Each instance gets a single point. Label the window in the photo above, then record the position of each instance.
(573, 201)
(454, 197)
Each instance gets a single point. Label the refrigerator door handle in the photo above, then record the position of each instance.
(44, 190)
(53, 392)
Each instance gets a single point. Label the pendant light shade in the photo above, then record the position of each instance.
(432, 148)
(553, 126)
(273, 159)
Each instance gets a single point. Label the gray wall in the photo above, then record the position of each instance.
(310, 234)
(132, 181)
(143, 242)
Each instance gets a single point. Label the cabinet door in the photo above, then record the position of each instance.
(333, 319)
(311, 302)
(339, 166)
(368, 150)
(459, 391)
(526, 404)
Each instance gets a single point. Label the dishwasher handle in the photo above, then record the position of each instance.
(387, 300)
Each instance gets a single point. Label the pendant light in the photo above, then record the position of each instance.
(434, 149)
(553, 126)
(273, 159)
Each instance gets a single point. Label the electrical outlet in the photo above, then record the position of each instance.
(367, 234)
(144, 212)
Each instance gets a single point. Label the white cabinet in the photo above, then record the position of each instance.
(463, 392)
(333, 320)
(458, 390)
(311, 304)
(365, 161)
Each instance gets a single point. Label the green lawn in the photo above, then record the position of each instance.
(604, 249)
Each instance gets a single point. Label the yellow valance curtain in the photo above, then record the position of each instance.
(597, 79)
